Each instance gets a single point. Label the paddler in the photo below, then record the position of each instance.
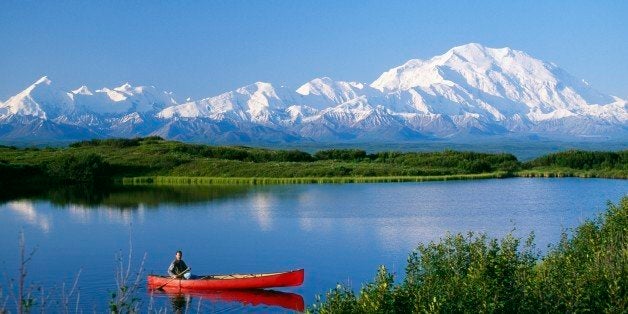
(178, 268)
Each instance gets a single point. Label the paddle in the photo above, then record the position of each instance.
(171, 279)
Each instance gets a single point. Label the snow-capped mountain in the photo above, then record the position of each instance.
(122, 99)
(498, 84)
(470, 90)
(40, 100)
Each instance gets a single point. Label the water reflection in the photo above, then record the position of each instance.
(26, 210)
(261, 205)
(122, 197)
(111, 203)
(179, 303)
(181, 299)
(123, 216)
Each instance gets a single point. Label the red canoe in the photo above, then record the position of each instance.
(233, 281)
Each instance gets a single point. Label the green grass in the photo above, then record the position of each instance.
(559, 172)
(100, 160)
(160, 180)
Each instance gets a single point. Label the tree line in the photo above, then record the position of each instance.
(102, 159)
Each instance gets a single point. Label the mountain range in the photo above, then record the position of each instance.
(470, 91)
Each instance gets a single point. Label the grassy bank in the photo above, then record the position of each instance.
(253, 181)
(466, 273)
(561, 172)
(143, 158)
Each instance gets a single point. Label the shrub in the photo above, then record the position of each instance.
(78, 168)
(116, 142)
(588, 273)
(583, 160)
(473, 273)
(340, 154)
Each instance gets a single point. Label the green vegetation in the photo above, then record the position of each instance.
(472, 273)
(574, 163)
(153, 159)
(305, 180)
(584, 160)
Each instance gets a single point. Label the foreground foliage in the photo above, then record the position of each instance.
(586, 272)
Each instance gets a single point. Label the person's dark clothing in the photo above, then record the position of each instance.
(177, 267)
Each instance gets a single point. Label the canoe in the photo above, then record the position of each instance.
(248, 297)
(232, 281)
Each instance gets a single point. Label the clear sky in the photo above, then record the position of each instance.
(203, 48)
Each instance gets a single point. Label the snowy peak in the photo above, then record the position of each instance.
(44, 80)
(467, 62)
(261, 96)
(255, 101)
(400, 78)
(42, 85)
(128, 98)
(496, 82)
(478, 54)
(112, 94)
(258, 87)
(338, 90)
(470, 90)
(124, 88)
(41, 100)
(44, 100)
(321, 93)
(83, 90)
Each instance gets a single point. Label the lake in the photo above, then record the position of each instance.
(340, 233)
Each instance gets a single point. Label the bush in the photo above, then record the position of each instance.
(78, 168)
(117, 142)
(589, 272)
(292, 156)
(583, 160)
(472, 273)
(340, 154)
(478, 166)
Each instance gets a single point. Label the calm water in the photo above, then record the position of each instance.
(337, 232)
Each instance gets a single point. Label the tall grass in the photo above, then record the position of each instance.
(164, 180)
(562, 172)
(586, 272)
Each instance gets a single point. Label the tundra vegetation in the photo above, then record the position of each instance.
(154, 160)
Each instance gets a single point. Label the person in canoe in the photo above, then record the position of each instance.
(178, 268)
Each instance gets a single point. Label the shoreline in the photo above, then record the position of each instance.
(185, 180)
(177, 180)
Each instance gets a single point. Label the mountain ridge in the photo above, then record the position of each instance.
(470, 90)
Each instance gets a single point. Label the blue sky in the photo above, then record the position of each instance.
(202, 48)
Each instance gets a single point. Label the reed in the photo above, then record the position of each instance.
(167, 180)
(565, 172)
